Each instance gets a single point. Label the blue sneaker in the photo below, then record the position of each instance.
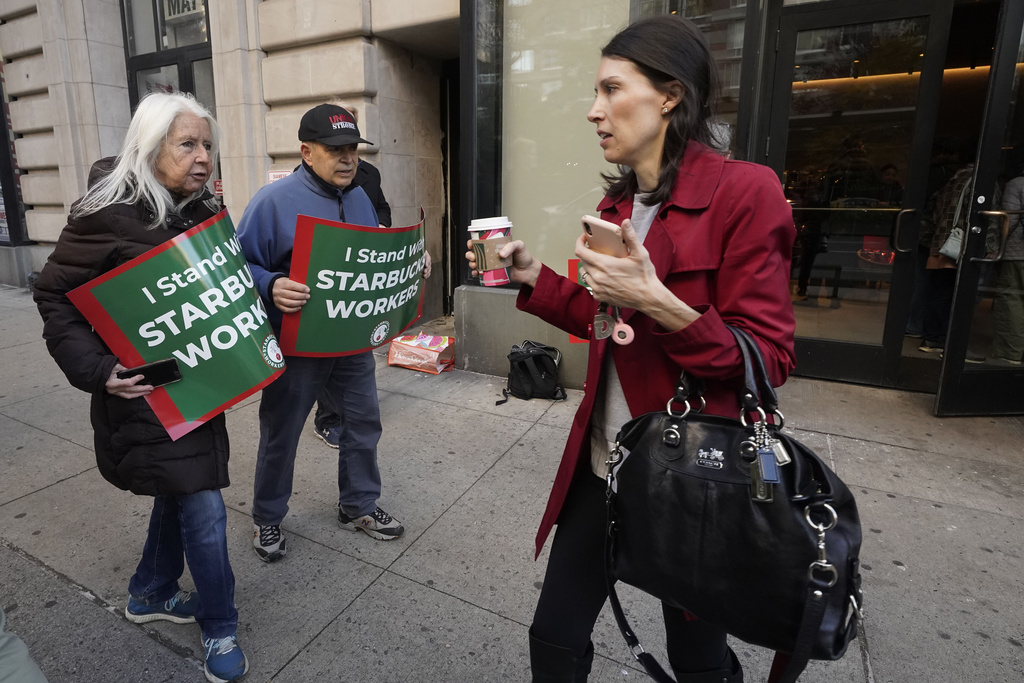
(181, 609)
(224, 659)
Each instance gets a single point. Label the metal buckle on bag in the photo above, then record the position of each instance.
(778, 419)
(822, 564)
(668, 407)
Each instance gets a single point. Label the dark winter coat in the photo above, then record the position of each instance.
(133, 450)
(368, 178)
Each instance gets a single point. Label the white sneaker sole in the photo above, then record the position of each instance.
(350, 526)
(146, 618)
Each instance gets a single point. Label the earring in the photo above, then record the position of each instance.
(664, 110)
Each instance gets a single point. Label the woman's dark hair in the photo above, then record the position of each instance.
(668, 48)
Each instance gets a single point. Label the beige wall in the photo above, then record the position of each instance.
(318, 52)
(65, 81)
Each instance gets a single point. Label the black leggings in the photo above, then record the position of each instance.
(574, 588)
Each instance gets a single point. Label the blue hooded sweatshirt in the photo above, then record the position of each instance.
(267, 229)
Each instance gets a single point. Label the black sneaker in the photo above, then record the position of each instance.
(378, 524)
(268, 541)
(329, 435)
(930, 347)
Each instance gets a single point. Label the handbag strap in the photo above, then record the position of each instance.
(646, 659)
(756, 380)
(757, 391)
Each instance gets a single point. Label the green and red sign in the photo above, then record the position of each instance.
(366, 286)
(191, 298)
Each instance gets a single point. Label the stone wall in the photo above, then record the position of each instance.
(65, 79)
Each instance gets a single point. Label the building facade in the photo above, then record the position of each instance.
(73, 70)
(478, 108)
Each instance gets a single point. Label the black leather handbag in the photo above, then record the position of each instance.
(737, 523)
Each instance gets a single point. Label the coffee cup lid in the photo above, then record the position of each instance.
(490, 223)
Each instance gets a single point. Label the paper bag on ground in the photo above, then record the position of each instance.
(424, 352)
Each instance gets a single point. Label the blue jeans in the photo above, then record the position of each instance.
(348, 387)
(190, 527)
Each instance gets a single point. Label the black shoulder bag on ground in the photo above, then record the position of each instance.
(533, 372)
(736, 522)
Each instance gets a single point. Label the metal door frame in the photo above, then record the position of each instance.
(981, 390)
(849, 361)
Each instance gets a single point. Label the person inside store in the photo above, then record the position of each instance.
(892, 189)
(321, 187)
(153, 191)
(1008, 301)
(951, 210)
(710, 243)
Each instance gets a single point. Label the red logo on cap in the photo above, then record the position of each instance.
(341, 121)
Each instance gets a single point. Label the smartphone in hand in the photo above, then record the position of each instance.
(157, 373)
(604, 237)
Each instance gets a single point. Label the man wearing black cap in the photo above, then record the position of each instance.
(321, 187)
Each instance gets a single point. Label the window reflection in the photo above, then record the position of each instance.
(997, 328)
(851, 117)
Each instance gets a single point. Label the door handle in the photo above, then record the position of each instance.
(894, 242)
(1003, 235)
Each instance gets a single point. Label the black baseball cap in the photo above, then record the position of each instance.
(330, 125)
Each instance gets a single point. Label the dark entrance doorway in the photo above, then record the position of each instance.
(874, 107)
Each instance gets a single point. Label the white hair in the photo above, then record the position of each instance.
(132, 178)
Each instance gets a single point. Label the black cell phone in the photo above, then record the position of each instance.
(157, 373)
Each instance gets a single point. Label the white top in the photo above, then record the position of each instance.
(610, 409)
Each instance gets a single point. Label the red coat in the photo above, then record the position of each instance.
(722, 243)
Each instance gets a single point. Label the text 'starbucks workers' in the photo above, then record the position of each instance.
(192, 299)
(366, 286)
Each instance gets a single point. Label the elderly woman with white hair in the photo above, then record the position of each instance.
(150, 193)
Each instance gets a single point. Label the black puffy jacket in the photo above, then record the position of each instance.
(133, 450)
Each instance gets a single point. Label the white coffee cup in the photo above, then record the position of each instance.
(487, 228)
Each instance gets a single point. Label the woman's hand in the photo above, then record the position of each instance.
(524, 268)
(289, 295)
(126, 388)
(632, 282)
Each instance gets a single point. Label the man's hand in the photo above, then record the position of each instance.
(426, 264)
(289, 295)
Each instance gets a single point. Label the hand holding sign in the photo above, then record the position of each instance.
(365, 286)
(289, 295)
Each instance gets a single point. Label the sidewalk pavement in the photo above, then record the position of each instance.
(941, 500)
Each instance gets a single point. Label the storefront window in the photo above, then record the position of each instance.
(158, 25)
(184, 23)
(551, 161)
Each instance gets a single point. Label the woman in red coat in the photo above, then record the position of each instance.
(710, 241)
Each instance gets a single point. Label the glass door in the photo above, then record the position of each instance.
(851, 141)
(167, 49)
(982, 372)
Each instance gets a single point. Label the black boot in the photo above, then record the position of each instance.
(553, 664)
(733, 673)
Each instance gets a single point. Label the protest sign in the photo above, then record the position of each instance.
(190, 298)
(365, 286)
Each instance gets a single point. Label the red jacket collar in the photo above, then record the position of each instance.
(694, 186)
